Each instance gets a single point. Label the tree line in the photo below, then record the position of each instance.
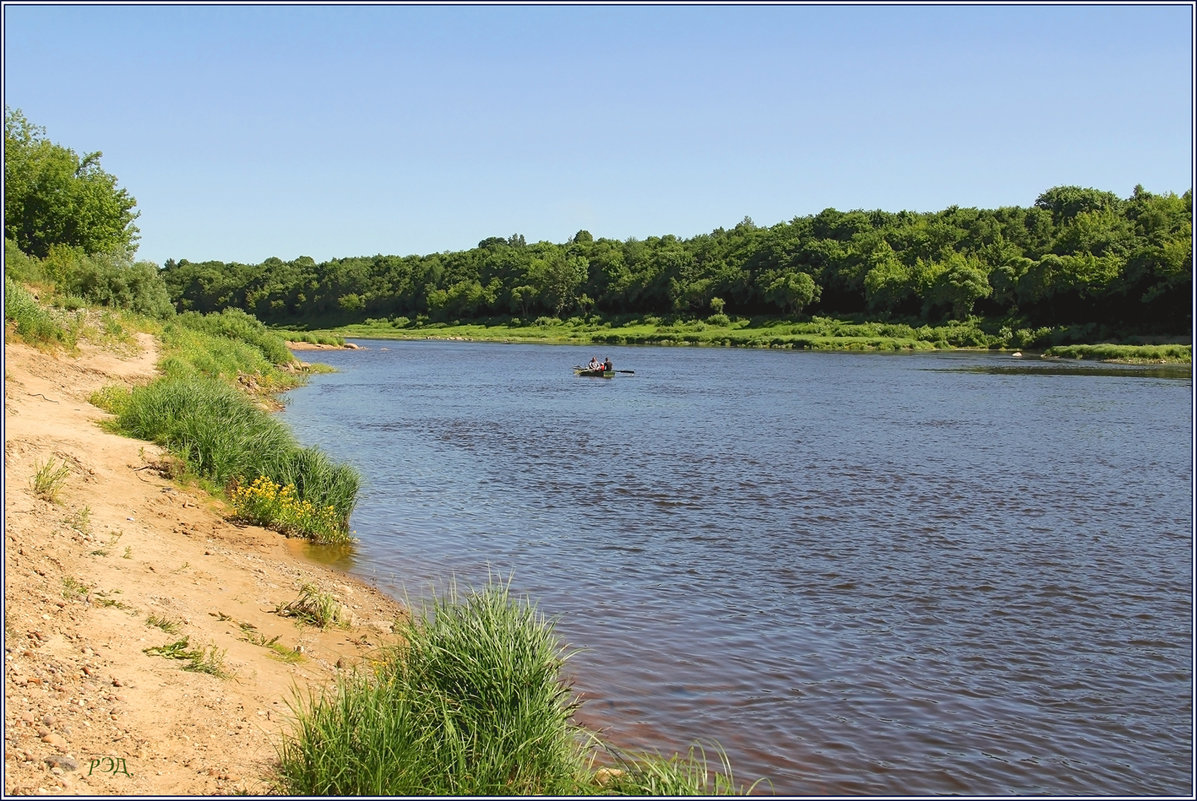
(1077, 255)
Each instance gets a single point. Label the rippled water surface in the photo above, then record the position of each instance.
(859, 574)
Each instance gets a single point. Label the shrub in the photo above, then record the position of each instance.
(113, 280)
(21, 267)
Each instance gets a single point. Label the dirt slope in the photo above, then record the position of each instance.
(82, 576)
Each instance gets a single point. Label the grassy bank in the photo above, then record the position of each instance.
(718, 330)
(210, 408)
(473, 702)
(1129, 354)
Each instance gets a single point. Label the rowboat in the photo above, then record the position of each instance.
(599, 372)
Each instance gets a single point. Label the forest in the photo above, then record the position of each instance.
(1077, 255)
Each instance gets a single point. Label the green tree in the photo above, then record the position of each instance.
(1066, 202)
(792, 292)
(960, 284)
(889, 285)
(1101, 232)
(559, 279)
(52, 196)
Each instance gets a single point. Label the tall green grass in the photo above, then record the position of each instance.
(472, 703)
(231, 346)
(652, 774)
(48, 480)
(224, 437)
(216, 429)
(32, 322)
(241, 327)
(311, 338)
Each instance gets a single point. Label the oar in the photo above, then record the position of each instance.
(629, 372)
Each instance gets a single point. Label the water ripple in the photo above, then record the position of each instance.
(896, 575)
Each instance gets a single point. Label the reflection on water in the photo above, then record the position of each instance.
(339, 556)
(1166, 371)
(858, 574)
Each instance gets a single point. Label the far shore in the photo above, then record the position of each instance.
(316, 346)
(815, 334)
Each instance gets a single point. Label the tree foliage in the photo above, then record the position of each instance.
(1077, 255)
(53, 196)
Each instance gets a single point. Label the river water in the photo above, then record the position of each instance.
(857, 574)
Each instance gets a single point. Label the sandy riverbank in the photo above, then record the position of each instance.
(121, 544)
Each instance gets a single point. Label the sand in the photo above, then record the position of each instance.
(87, 711)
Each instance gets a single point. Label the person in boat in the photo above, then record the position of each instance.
(594, 363)
(607, 366)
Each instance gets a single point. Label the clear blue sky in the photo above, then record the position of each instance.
(250, 131)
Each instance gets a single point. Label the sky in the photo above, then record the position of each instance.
(250, 131)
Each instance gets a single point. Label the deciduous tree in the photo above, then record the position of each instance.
(52, 196)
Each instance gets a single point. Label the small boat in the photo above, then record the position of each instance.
(599, 373)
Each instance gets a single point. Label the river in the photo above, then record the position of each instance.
(857, 574)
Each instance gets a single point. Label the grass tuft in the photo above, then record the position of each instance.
(49, 478)
(279, 651)
(315, 608)
(167, 625)
(471, 703)
(73, 589)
